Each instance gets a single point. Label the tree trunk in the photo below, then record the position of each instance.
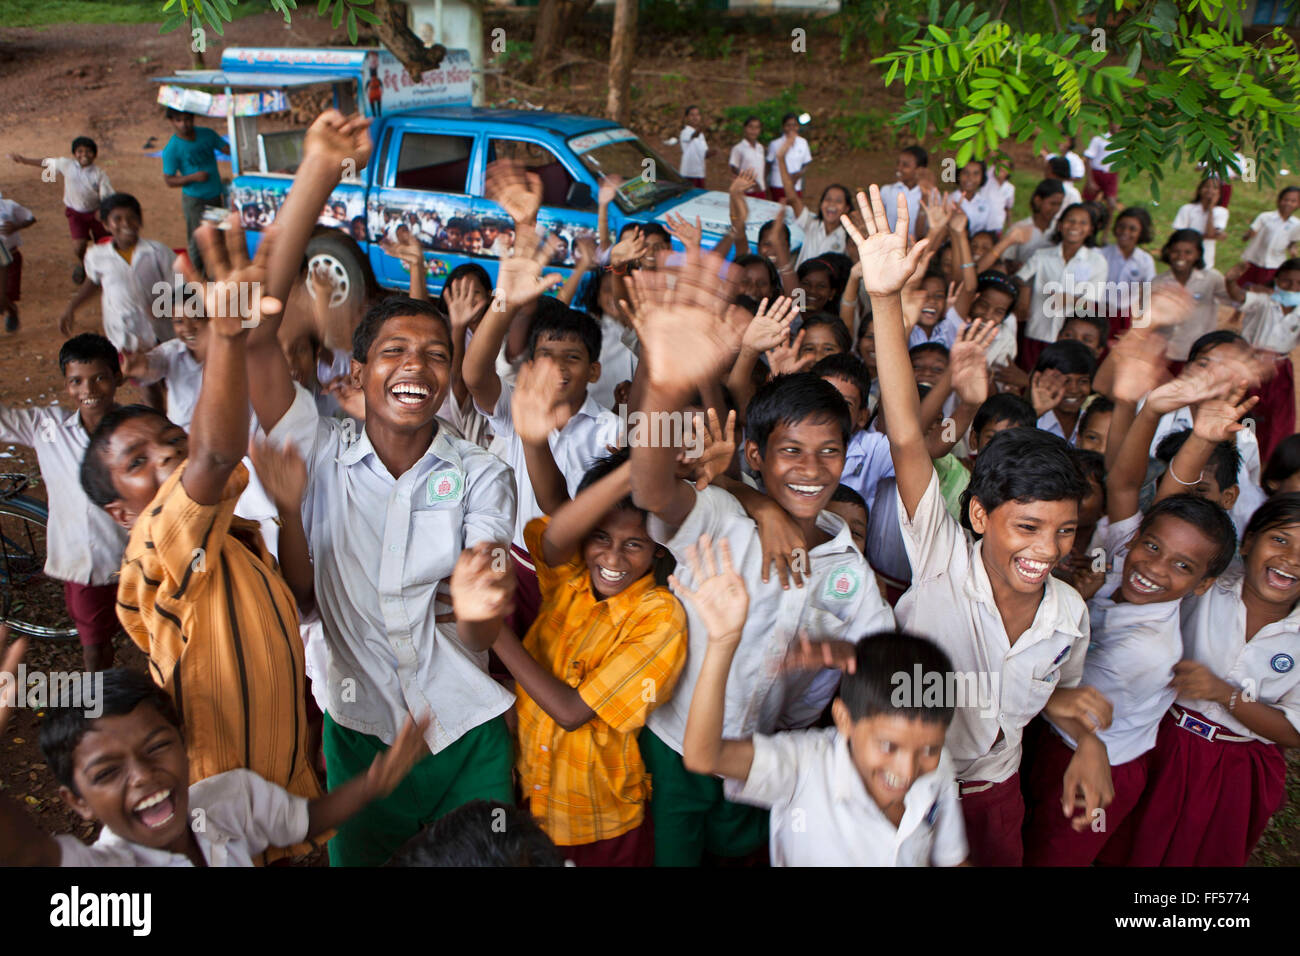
(555, 21)
(395, 34)
(621, 49)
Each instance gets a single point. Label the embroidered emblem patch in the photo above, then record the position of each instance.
(1282, 663)
(843, 583)
(445, 486)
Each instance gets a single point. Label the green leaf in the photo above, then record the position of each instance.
(889, 74)
(970, 119)
(352, 26)
(1000, 123)
(925, 68)
(337, 17)
(964, 154)
(322, 7)
(938, 34)
(365, 16)
(907, 72)
(954, 60)
(966, 133)
(172, 23)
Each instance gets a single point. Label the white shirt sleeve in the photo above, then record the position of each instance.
(950, 847)
(302, 425)
(265, 814)
(774, 772)
(1220, 214)
(19, 425)
(159, 367)
(72, 852)
(490, 504)
(932, 535)
(1184, 218)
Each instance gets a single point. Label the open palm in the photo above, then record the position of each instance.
(887, 263)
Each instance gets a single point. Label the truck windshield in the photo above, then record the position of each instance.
(648, 178)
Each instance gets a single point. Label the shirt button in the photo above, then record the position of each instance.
(537, 786)
(394, 548)
(545, 749)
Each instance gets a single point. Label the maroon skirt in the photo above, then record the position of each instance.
(1206, 801)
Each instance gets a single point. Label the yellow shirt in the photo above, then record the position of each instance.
(200, 594)
(623, 654)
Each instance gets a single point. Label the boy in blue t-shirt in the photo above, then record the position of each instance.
(190, 163)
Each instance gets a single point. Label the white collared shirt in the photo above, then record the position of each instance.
(839, 601)
(1022, 252)
(384, 548)
(1047, 269)
(796, 158)
(944, 332)
(816, 239)
(889, 196)
(951, 602)
(174, 363)
(128, 297)
(694, 148)
(753, 158)
(1048, 422)
(242, 814)
(1007, 191)
(13, 213)
(1214, 634)
(823, 815)
(82, 543)
(1267, 324)
(576, 447)
(83, 186)
(1272, 239)
(1131, 656)
(1099, 152)
(1139, 267)
(1208, 290)
(986, 210)
(1192, 216)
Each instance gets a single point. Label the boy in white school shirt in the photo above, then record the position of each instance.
(1177, 548)
(877, 789)
(797, 427)
(85, 185)
(83, 544)
(992, 606)
(389, 514)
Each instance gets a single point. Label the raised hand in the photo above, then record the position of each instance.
(609, 186)
(584, 253)
(1046, 389)
(1218, 419)
(957, 219)
(536, 406)
(233, 300)
(628, 249)
(390, 768)
(340, 140)
(519, 279)
(719, 448)
(282, 472)
(515, 190)
(967, 363)
(770, 327)
(466, 302)
(483, 583)
(1139, 365)
(783, 359)
(743, 183)
(886, 261)
(719, 596)
(685, 233)
(808, 655)
(936, 210)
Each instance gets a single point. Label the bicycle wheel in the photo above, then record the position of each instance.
(30, 602)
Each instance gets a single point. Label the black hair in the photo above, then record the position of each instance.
(1098, 322)
(1098, 405)
(790, 400)
(993, 236)
(1060, 167)
(1100, 213)
(1143, 218)
(664, 563)
(1206, 517)
(1196, 197)
(848, 496)
(1094, 216)
(1287, 189)
(120, 201)
(1224, 463)
(1185, 235)
(789, 116)
(1092, 465)
(1212, 340)
(1045, 188)
(555, 320)
(1290, 265)
(693, 106)
(1023, 464)
(850, 368)
(843, 337)
(998, 281)
(649, 229)
(1004, 407)
(887, 664)
(466, 269)
(767, 226)
(173, 113)
(96, 480)
(841, 265)
(922, 348)
(122, 691)
(774, 277)
(1068, 357)
(1276, 512)
(89, 347)
(87, 142)
(1282, 464)
(751, 119)
(918, 153)
(480, 833)
(984, 170)
(746, 302)
(390, 307)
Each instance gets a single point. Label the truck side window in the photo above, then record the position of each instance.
(434, 162)
(540, 160)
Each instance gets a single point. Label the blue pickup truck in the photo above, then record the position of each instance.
(427, 173)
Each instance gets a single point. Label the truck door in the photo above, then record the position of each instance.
(423, 193)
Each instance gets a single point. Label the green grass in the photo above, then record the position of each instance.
(45, 13)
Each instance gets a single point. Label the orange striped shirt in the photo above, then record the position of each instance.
(623, 654)
(201, 595)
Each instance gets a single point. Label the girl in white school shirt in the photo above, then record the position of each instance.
(1187, 267)
(749, 155)
(980, 196)
(822, 231)
(1219, 773)
(796, 161)
(1206, 216)
(695, 149)
(1070, 261)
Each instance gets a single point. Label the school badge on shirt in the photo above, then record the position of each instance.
(1282, 663)
(843, 583)
(445, 486)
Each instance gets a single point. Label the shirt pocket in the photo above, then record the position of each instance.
(434, 544)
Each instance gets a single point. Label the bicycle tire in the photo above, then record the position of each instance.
(28, 510)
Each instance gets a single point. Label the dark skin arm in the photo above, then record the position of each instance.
(22, 843)
(386, 771)
(560, 701)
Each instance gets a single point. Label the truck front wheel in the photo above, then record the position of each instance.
(341, 261)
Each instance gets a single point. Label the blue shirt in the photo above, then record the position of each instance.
(185, 156)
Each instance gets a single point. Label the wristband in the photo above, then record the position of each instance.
(1232, 701)
(1187, 484)
(968, 265)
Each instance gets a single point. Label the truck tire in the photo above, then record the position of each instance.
(346, 266)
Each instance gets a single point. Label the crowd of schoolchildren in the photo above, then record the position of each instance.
(919, 563)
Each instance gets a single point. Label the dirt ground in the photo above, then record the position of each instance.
(94, 80)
